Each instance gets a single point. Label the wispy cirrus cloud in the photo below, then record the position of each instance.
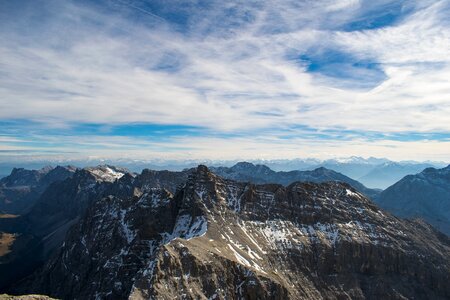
(294, 73)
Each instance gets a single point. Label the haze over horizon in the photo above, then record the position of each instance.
(213, 80)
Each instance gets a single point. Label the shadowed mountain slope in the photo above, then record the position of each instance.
(20, 190)
(425, 195)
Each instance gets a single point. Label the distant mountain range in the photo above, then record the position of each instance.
(372, 172)
(384, 175)
(353, 166)
(425, 195)
(259, 174)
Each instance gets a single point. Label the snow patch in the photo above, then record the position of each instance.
(127, 232)
(106, 173)
(187, 228)
(352, 194)
(239, 257)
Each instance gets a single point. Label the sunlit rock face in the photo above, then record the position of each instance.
(214, 238)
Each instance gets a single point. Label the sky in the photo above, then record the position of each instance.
(225, 79)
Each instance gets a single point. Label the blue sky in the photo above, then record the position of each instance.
(225, 79)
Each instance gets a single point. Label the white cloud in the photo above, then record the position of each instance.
(422, 37)
(344, 4)
(83, 66)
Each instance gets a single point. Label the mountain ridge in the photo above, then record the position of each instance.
(245, 171)
(425, 195)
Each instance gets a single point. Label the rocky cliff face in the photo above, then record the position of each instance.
(261, 174)
(425, 195)
(220, 239)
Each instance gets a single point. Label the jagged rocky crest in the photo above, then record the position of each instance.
(215, 238)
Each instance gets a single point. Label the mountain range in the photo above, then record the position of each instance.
(105, 232)
(216, 238)
(245, 171)
(372, 172)
(384, 175)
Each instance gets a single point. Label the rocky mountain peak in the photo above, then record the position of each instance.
(46, 169)
(202, 171)
(243, 165)
(84, 175)
(106, 172)
(321, 169)
(200, 189)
